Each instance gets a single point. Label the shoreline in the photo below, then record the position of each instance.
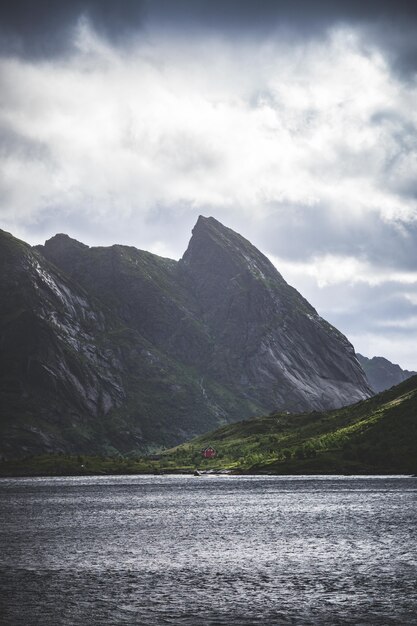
(208, 473)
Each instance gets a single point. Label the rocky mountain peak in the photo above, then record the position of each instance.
(62, 242)
(221, 251)
(63, 251)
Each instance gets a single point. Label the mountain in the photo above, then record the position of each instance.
(268, 338)
(111, 350)
(374, 436)
(381, 373)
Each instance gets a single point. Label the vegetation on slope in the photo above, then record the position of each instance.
(376, 436)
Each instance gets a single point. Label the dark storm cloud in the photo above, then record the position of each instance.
(45, 27)
(267, 14)
(395, 34)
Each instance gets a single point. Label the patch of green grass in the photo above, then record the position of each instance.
(76, 465)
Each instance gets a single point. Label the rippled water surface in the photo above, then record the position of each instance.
(208, 550)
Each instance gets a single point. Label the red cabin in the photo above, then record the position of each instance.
(208, 453)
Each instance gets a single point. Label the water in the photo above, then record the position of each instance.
(208, 550)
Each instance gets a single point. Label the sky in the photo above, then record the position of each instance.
(295, 124)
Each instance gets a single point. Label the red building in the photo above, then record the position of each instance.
(208, 453)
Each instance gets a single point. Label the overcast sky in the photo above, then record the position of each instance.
(293, 123)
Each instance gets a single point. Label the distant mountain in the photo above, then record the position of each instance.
(108, 350)
(375, 436)
(381, 373)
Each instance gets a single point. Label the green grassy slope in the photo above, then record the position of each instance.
(378, 435)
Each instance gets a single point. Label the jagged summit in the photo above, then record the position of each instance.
(62, 240)
(218, 247)
(62, 249)
(272, 339)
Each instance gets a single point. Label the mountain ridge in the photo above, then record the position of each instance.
(150, 351)
(381, 373)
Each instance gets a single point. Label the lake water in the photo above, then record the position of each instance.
(208, 550)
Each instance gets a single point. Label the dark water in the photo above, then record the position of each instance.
(208, 550)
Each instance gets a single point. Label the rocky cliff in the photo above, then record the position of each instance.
(115, 349)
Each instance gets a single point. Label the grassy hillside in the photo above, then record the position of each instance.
(377, 435)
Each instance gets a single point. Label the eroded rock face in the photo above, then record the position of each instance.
(55, 370)
(117, 349)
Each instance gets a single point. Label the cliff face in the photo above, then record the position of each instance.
(58, 373)
(268, 339)
(382, 374)
(117, 349)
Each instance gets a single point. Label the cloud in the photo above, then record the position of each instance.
(331, 270)
(306, 127)
(305, 144)
(401, 324)
(45, 29)
(396, 350)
